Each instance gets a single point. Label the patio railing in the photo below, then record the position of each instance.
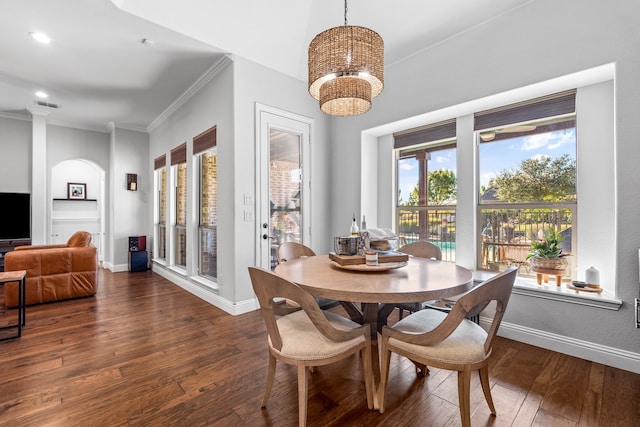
(437, 225)
(505, 233)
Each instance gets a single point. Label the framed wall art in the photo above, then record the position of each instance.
(76, 191)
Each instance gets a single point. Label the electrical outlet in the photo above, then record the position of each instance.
(248, 199)
(248, 215)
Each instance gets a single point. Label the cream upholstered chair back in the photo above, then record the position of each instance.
(422, 249)
(292, 250)
(306, 336)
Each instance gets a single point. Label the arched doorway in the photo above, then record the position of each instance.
(71, 215)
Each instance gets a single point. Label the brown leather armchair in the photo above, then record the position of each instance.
(54, 272)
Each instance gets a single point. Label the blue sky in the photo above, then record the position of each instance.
(494, 156)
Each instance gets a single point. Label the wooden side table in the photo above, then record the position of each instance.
(20, 277)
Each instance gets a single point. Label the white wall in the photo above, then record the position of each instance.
(92, 155)
(540, 41)
(228, 102)
(76, 155)
(212, 105)
(15, 162)
(282, 92)
(129, 210)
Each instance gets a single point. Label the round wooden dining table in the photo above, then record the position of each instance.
(370, 295)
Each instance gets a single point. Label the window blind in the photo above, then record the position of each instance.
(538, 108)
(179, 154)
(160, 162)
(433, 132)
(205, 140)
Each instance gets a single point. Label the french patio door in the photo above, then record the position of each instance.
(282, 202)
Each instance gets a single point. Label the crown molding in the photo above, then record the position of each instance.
(15, 116)
(208, 75)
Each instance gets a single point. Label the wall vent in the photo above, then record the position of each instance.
(46, 104)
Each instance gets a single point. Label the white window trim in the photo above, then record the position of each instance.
(467, 203)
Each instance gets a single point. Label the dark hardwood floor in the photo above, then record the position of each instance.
(145, 352)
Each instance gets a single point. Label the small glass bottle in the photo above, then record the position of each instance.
(363, 224)
(354, 226)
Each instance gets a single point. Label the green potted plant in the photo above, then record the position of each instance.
(546, 254)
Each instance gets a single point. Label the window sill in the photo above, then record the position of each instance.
(205, 282)
(179, 270)
(529, 287)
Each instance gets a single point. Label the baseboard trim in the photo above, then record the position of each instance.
(610, 356)
(206, 293)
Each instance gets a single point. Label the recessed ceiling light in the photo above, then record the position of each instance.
(41, 37)
(41, 94)
(147, 42)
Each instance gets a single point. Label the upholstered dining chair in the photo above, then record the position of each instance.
(306, 336)
(293, 250)
(450, 340)
(421, 249)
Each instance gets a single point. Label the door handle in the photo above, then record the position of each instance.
(266, 236)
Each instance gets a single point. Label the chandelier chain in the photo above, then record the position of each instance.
(345, 12)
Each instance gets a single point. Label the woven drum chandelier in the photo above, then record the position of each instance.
(346, 68)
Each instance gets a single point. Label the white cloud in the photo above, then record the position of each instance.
(407, 166)
(534, 142)
(442, 159)
(566, 138)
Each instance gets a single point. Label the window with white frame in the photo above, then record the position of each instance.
(205, 150)
(179, 171)
(526, 180)
(160, 228)
(426, 191)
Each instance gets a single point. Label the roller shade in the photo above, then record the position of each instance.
(179, 154)
(205, 140)
(160, 162)
(434, 132)
(538, 108)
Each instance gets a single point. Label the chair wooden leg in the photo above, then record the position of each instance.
(303, 393)
(270, 377)
(400, 313)
(486, 388)
(421, 369)
(464, 398)
(368, 374)
(384, 376)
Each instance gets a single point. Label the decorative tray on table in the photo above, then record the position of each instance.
(364, 267)
(386, 261)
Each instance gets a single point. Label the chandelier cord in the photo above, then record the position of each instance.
(345, 12)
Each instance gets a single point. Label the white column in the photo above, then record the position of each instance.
(467, 199)
(40, 201)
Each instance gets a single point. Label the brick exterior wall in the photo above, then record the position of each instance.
(181, 215)
(209, 215)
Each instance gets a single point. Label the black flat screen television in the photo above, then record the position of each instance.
(15, 216)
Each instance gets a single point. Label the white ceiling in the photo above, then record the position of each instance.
(98, 70)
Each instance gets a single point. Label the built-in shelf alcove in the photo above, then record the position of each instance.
(70, 215)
